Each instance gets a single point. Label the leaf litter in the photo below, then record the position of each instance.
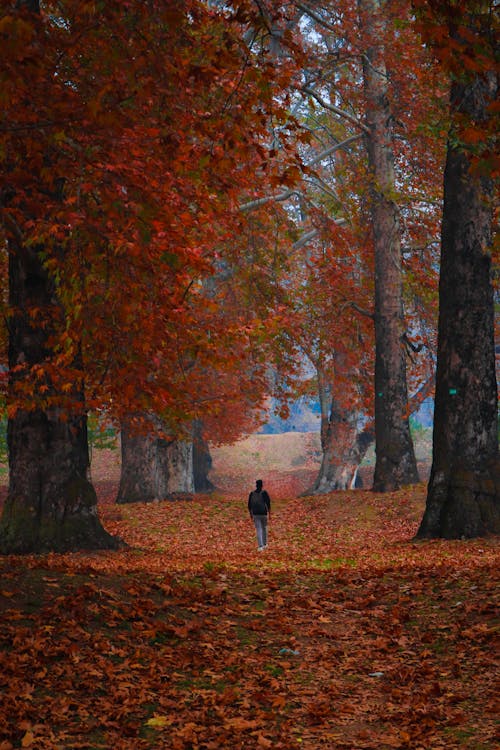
(345, 633)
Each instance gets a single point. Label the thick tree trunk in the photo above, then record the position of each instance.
(396, 464)
(463, 498)
(344, 448)
(51, 504)
(342, 443)
(154, 468)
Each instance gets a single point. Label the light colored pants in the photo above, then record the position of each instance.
(261, 529)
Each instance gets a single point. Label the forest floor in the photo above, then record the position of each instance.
(345, 633)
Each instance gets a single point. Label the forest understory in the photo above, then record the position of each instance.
(345, 633)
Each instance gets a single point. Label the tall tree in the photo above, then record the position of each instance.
(463, 498)
(51, 503)
(348, 44)
(371, 42)
(395, 457)
(126, 138)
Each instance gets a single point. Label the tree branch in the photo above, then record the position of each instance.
(250, 205)
(308, 236)
(315, 16)
(332, 149)
(268, 199)
(336, 110)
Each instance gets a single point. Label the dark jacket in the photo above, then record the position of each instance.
(257, 498)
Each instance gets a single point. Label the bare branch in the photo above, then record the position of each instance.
(425, 390)
(268, 199)
(334, 109)
(315, 16)
(313, 233)
(332, 149)
(358, 308)
(250, 205)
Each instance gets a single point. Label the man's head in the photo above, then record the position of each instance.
(258, 484)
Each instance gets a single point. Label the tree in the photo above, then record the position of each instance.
(395, 457)
(343, 50)
(47, 441)
(463, 498)
(154, 467)
(334, 332)
(101, 260)
(202, 460)
(344, 447)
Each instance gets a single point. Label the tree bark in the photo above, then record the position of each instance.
(51, 503)
(202, 461)
(342, 443)
(344, 448)
(396, 464)
(154, 467)
(463, 498)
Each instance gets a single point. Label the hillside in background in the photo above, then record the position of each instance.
(305, 415)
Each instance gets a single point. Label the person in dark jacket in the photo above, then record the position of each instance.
(259, 507)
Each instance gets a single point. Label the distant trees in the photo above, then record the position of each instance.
(368, 207)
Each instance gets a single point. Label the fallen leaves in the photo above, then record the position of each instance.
(344, 634)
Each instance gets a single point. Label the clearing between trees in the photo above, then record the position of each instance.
(345, 633)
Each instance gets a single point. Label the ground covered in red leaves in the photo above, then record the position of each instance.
(345, 633)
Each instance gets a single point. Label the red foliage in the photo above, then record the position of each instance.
(129, 136)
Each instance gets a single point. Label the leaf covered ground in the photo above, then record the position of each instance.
(345, 633)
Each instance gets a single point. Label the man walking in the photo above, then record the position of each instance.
(259, 507)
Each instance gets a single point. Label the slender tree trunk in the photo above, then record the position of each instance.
(202, 461)
(326, 405)
(396, 464)
(154, 468)
(51, 504)
(463, 498)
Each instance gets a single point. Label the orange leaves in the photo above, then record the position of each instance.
(192, 639)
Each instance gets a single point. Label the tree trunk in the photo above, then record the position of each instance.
(51, 504)
(202, 461)
(464, 488)
(396, 464)
(342, 444)
(344, 448)
(325, 398)
(154, 468)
